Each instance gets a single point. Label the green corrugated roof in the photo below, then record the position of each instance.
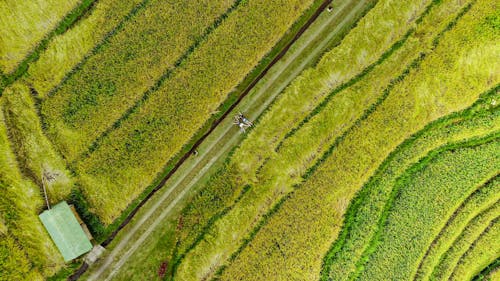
(66, 232)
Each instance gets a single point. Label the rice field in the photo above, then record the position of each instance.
(377, 159)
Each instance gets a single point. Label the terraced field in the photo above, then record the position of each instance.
(374, 154)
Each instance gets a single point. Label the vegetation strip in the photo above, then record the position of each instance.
(356, 202)
(450, 259)
(64, 25)
(182, 159)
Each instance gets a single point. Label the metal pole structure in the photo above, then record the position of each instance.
(45, 191)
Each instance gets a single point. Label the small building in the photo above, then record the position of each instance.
(66, 232)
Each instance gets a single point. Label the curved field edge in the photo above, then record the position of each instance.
(477, 163)
(482, 199)
(482, 252)
(67, 22)
(473, 229)
(398, 159)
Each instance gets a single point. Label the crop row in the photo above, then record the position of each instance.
(475, 204)
(482, 252)
(24, 24)
(261, 196)
(121, 71)
(34, 152)
(318, 207)
(389, 254)
(66, 51)
(27, 247)
(450, 259)
(132, 154)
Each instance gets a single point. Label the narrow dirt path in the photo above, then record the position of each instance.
(222, 139)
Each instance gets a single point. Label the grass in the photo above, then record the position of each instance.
(349, 165)
(482, 252)
(24, 24)
(139, 56)
(67, 50)
(459, 246)
(476, 203)
(33, 150)
(160, 126)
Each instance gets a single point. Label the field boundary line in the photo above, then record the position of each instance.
(64, 24)
(464, 231)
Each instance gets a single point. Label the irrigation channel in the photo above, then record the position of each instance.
(312, 40)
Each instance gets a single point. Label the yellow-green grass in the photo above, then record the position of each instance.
(67, 50)
(20, 203)
(421, 203)
(125, 160)
(317, 206)
(482, 252)
(23, 24)
(34, 152)
(116, 77)
(459, 246)
(477, 203)
(383, 26)
(366, 208)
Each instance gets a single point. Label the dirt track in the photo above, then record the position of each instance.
(216, 143)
